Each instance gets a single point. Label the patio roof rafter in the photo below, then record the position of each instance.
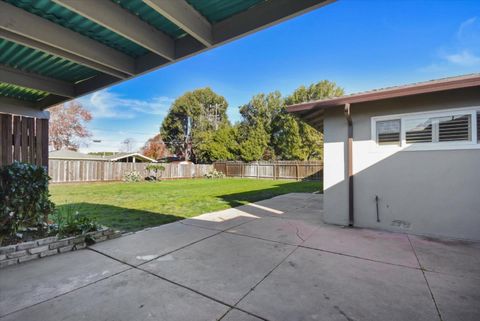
(122, 22)
(186, 17)
(35, 81)
(96, 44)
(33, 31)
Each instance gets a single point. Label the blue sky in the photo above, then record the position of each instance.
(358, 44)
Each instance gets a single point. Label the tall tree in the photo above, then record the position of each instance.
(321, 90)
(311, 146)
(254, 146)
(267, 131)
(190, 115)
(214, 145)
(155, 148)
(67, 126)
(254, 132)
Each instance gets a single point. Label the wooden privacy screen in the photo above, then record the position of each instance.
(23, 139)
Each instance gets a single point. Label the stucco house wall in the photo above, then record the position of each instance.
(428, 192)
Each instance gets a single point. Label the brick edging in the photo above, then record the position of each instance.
(27, 251)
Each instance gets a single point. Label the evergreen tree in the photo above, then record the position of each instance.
(216, 145)
(191, 115)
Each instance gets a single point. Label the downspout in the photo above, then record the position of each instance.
(348, 116)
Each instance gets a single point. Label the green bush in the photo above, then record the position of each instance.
(155, 168)
(24, 198)
(69, 222)
(214, 174)
(133, 176)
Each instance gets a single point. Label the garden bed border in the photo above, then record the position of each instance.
(27, 251)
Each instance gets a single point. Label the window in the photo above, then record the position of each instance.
(454, 128)
(478, 126)
(430, 130)
(388, 132)
(418, 130)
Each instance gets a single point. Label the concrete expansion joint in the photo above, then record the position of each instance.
(425, 277)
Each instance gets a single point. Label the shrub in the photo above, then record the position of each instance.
(69, 222)
(132, 176)
(24, 198)
(155, 168)
(214, 174)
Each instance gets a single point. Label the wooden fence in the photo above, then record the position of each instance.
(308, 170)
(23, 139)
(69, 171)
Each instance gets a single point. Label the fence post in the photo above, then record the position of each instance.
(296, 171)
(226, 169)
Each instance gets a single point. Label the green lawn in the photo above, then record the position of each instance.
(134, 206)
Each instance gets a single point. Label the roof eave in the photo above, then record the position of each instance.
(417, 89)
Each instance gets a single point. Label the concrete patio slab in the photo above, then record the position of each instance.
(301, 196)
(454, 257)
(131, 295)
(27, 284)
(221, 220)
(149, 244)
(237, 315)
(310, 216)
(283, 203)
(292, 232)
(394, 248)
(203, 270)
(224, 267)
(457, 298)
(314, 285)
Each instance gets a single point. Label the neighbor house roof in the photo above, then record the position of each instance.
(69, 154)
(56, 50)
(118, 156)
(312, 111)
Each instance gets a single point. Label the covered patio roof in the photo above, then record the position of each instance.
(54, 50)
(313, 112)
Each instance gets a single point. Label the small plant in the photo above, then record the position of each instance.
(69, 222)
(132, 176)
(24, 200)
(155, 168)
(214, 174)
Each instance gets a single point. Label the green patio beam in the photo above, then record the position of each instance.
(30, 80)
(186, 17)
(115, 18)
(33, 31)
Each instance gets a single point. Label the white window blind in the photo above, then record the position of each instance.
(418, 130)
(478, 126)
(427, 130)
(454, 128)
(388, 132)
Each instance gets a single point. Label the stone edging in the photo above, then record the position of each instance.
(27, 251)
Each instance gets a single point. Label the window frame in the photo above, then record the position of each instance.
(473, 143)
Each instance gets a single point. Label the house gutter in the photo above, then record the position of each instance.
(348, 116)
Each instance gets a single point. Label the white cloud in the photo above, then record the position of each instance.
(463, 58)
(462, 51)
(465, 27)
(106, 104)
